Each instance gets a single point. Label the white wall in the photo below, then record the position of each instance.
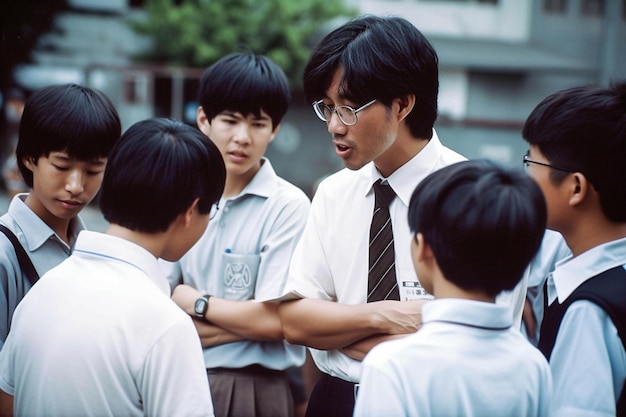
(508, 20)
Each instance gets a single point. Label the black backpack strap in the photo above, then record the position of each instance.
(26, 264)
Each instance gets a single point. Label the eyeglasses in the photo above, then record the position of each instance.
(346, 114)
(214, 208)
(527, 161)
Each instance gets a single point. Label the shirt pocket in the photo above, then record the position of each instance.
(239, 275)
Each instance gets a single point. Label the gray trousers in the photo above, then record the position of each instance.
(251, 391)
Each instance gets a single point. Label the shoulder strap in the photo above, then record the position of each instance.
(25, 263)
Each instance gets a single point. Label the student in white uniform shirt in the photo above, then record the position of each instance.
(99, 335)
(577, 154)
(476, 226)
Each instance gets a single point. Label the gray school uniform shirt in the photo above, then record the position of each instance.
(43, 246)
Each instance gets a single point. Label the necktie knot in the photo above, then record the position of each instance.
(384, 194)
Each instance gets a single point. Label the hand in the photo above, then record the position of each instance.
(400, 317)
(186, 296)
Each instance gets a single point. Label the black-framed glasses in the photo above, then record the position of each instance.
(214, 208)
(346, 114)
(527, 161)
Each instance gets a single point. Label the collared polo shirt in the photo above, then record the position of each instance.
(44, 247)
(466, 360)
(244, 254)
(99, 336)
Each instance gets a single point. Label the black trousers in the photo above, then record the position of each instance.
(332, 397)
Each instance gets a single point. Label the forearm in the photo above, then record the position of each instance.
(329, 325)
(212, 335)
(6, 404)
(248, 319)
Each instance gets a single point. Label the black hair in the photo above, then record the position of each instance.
(483, 221)
(584, 129)
(155, 172)
(382, 58)
(79, 120)
(245, 83)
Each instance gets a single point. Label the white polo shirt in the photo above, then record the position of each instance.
(99, 336)
(330, 261)
(466, 360)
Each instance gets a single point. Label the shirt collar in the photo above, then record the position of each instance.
(571, 272)
(121, 250)
(35, 230)
(404, 179)
(263, 183)
(468, 313)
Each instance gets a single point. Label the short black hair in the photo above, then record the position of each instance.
(483, 221)
(584, 129)
(382, 58)
(68, 117)
(245, 83)
(155, 172)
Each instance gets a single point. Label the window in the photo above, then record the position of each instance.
(592, 7)
(555, 6)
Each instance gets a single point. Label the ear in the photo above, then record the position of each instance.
(580, 188)
(204, 124)
(189, 213)
(29, 162)
(405, 106)
(424, 251)
(275, 132)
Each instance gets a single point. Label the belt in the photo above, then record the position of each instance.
(254, 369)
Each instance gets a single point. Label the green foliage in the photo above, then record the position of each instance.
(198, 32)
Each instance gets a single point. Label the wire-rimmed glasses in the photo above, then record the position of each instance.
(346, 114)
(527, 161)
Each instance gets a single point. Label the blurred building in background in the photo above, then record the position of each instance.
(498, 59)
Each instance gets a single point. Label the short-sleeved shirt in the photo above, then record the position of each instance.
(588, 361)
(244, 255)
(553, 249)
(330, 261)
(43, 246)
(467, 360)
(99, 336)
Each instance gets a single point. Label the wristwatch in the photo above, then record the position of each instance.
(201, 306)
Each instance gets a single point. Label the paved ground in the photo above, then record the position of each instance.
(91, 214)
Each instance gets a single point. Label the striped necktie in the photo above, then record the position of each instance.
(382, 283)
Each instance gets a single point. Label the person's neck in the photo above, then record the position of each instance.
(152, 242)
(586, 235)
(235, 184)
(442, 288)
(402, 151)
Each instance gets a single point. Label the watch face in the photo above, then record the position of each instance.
(200, 306)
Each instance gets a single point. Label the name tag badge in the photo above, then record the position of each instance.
(413, 290)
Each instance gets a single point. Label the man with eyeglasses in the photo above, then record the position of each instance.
(378, 97)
